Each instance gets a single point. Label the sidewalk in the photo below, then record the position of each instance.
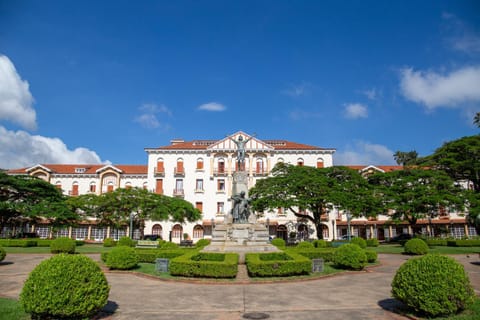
(357, 295)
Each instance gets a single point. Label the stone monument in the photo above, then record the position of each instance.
(240, 232)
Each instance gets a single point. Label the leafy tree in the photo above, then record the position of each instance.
(476, 120)
(416, 193)
(25, 198)
(460, 159)
(406, 158)
(308, 192)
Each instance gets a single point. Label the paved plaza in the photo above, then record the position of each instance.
(351, 295)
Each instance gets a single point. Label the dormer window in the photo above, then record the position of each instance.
(80, 170)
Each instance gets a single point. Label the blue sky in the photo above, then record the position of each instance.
(98, 81)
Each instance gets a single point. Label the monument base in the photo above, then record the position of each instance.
(240, 238)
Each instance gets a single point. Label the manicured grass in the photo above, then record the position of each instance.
(12, 310)
(396, 248)
(86, 248)
(472, 313)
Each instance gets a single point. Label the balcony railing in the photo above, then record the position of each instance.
(221, 172)
(159, 172)
(260, 173)
(178, 192)
(179, 172)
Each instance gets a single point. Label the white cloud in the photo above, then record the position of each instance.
(20, 149)
(460, 36)
(15, 98)
(212, 106)
(355, 111)
(364, 153)
(298, 114)
(371, 94)
(297, 90)
(438, 90)
(148, 115)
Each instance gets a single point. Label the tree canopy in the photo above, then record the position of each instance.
(406, 158)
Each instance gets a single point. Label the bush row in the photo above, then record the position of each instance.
(325, 254)
(207, 265)
(277, 264)
(32, 242)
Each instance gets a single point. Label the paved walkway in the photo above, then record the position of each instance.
(358, 295)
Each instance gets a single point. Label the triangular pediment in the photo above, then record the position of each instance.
(38, 167)
(109, 167)
(228, 143)
(372, 168)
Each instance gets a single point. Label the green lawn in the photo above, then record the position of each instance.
(86, 248)
(396, 248)
(12, 310)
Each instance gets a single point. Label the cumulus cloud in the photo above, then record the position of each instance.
(371, 94)
(148, 116)
(212, 106)
(441, 90)
(364, 153)
(15, 98)
(355, 111)
(21, 149)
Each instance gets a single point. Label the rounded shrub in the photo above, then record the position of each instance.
(350, 256)
(3, 253)
(305, 245)
(169, 245)
(433, 285)
(202, 243)
(373, 242)
(320, 243)
(122, 258)
(65, 287)
(359, 242)
(63, 245)
(415, 246)
(278, 242)
(371, 256)
(109, 242)
(126, 241)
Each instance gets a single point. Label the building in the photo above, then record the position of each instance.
(200, 171)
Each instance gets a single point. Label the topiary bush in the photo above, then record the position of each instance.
(168, 245)
(304, 245)
(3, 253)
(65, 287)
(320, 243)
(63, 245)
(433, 285)
(371, 256)
(202, 243)
(278, 242)
(415, 246)
(109, 242)
(126, 241)
(122, 258)
(350, 256)
(359, 242)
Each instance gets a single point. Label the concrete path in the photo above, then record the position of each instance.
(356, 295)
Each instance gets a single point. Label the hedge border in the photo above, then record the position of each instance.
(185, 266)
(298, 265)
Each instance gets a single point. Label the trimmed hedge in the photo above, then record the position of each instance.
(373, 242)
(63, 245)
(277, 264)
(207, 265)
(359, 242)
(350, 256)
(463, 243)
(416, 246)
(371, 256)
(202, 243)
(122, 258)
(433, 285)
(321, 243)
(436, 242)
(150, 255)
(65, 287)
(165, 245)
(325, 254)
(126, 241)
(109, 242)
(3, 254)
(18, 243)
(278, 242)
(304, 245)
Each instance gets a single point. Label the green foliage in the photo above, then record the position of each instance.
(205, 265)
(416, 246)
(109, 242)
(359, 242)
(18, 243)
(350, 256)
(65, 286)
(44, 242)
(277, 264)
(274, 256)
(305, 245)
(63, 245)
(433, 285)
(202, 243)
(122, 258)
(371, 256)
(3, 254)
(150, 255)
(372, 242)
(278, 242)
(321, 243)
(169, 245)
(325, 254)
(436, 242)
(464, 243)
(126, 241)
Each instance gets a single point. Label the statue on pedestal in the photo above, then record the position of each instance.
(241, 150)
(240, 210)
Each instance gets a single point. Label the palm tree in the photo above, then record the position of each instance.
(476, 119)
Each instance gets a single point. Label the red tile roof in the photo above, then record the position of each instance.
(89, 168)
(204, 144)
(381, 167)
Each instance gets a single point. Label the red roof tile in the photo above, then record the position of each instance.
(89, 168)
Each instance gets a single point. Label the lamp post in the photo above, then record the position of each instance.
(132, 215)
(349, 217)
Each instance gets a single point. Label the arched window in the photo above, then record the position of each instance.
(221, 165)
(303, 231)
(179, 169)
(157, 230)
(74, 189)
(177, 231)
(159, 168)
(198, 232)
(319, 163)
(300, 162)
(199, 164)
(260, 168)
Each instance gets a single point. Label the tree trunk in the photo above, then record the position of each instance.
(319, 227)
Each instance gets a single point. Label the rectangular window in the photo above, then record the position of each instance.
(80, 233)
(199, 165)
(93, 188)
(221, 185)
(75, 190)
(199, 185)
(319, 164)
(159, 186)
(160, 168)
(221, 167)
(199, 206)
(178, 187)
(220, 207)
(180, 167)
